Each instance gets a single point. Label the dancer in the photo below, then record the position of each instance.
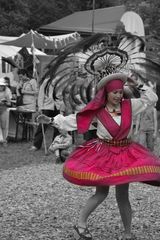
(112, 158)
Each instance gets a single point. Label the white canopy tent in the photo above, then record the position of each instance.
(33, 40)
(41, 41)
(6, 38)
(11, 52)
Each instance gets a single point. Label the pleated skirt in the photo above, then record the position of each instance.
(95, 163)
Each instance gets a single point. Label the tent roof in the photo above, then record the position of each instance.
(9, 51)
(105, 20)
(6, 38)
(41, 41)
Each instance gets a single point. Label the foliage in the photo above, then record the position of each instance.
(13, 17)
(150, 14)
(20, 16)
(41, 12)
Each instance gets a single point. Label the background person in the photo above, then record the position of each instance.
(13, 91)
(46, 105)
(21, 74)
(147, 128)
(5, 102)
(29, 92)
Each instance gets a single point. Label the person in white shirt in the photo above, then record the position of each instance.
(5, 101)
(46, 105)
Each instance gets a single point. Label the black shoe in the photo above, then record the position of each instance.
(63, 159)
(82, 233)
(58, 160)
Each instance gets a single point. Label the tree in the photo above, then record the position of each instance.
(45, 12)
(41, 12)
(14, 17)
(22, 15)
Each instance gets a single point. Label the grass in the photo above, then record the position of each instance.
(17, 154)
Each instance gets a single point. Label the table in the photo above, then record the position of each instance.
(18, 124)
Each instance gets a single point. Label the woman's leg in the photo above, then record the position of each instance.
(122, 196)
(55, 130)
(4, 124)
(150, 141)
(92, 203)
(142, 138)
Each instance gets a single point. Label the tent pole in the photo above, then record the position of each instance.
(35, 75)
(93, 15)
(93, 18)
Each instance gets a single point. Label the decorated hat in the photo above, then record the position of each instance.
(3, 82)
(118, 78)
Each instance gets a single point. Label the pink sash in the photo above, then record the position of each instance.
(117, 131)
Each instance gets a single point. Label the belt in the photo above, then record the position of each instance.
(116, 143)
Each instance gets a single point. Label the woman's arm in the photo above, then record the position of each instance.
(155, 123)
(137, 124)
(68, 123)
(148, 98)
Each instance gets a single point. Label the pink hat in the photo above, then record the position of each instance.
(114, 85)
(112, 82)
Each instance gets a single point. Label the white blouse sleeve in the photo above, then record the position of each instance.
(148, 98)
(68, 123)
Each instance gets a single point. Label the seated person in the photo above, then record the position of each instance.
(5, 101)
(61, 146)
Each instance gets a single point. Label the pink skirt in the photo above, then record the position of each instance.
(96, 164)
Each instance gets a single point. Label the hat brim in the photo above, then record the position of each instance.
(114, 76)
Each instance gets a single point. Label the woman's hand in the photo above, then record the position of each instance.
(3, 102)
(154, 134)
(131, 82)
(43, 119)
